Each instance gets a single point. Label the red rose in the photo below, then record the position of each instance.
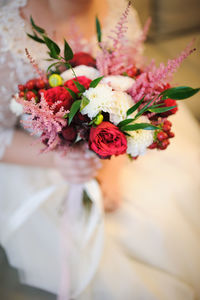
(60, 94)
(69, 133)
(106, 140)
(82, 58)
(81, 79)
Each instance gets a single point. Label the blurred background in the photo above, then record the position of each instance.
(174, 24)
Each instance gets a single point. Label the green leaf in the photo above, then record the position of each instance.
(144, 109)
(134, 107)
(35, 38)
(156, 105)
(95, 82)
(179, 93)
(79, 86)
(98, 30)
(137, 126)
(74, 96)
(53, 47)
(125, 122)
(161, 109)
(37, 28)
(74, 108)
(68, 53)
(84, 102)
(65, 116)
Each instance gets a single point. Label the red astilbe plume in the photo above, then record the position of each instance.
(43, 121)
(154, 79)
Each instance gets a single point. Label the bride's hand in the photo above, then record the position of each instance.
(78, 166)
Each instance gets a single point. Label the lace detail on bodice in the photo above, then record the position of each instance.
(14, 65)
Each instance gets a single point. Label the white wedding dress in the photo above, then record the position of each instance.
(147, 250)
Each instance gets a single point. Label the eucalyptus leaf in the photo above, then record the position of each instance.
(74, 96)
(53, 47)
(98, 30)
(137, 126)
(84, 102)
(95, 82)
(68, 53)
(79, 86)
(156, 105)
(37, 28)
(134, 107)
(179, 93)
(35, 38)
(161, 109)
(125, 122)
(73, 110)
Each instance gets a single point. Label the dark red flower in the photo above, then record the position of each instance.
(69, 133)
(58, 94)
(106, 140)
(82, 58)
(81, 79)
(79, 118)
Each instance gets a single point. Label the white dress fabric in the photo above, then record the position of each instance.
(148, 249)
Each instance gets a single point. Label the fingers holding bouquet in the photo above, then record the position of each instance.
(78, 165)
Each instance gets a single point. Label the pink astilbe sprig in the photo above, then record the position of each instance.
(111, 59)
(121, 54)
(119, 33)
(43, 121)
(135, 50)
(35, 65)
(103, 59)
(151, 82)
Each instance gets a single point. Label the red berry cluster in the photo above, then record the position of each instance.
(162, 136)
(133, 72)
(32, 89)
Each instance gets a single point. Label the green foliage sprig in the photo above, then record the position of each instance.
(39, 35)
(176, 93)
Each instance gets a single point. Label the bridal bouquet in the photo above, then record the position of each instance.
(113, 102)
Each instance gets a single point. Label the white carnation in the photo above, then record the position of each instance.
(81, 70)
(16, 107)
(121, 103)
(101, 99)
(118, 82)
(139, 140)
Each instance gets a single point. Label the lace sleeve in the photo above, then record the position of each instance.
(8, 82)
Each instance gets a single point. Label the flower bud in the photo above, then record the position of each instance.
(98, 119)
(55, 80)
